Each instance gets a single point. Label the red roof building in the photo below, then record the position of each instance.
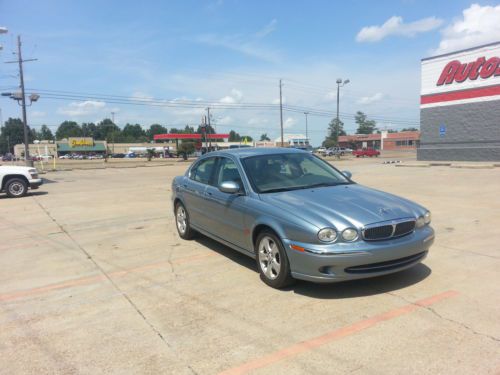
(408, 140)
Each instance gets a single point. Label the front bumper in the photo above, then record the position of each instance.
(36, 183)
(360, 259)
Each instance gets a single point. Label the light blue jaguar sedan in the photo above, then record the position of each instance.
(298, 216)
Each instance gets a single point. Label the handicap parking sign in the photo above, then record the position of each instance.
(442, 130)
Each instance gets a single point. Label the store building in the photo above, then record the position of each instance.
(460, 105)
(401, 141)
(292, 140)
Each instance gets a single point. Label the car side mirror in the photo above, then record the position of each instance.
(229, 187)
(347, 174)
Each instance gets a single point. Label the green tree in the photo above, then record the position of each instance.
(209, 129)
(412, 129)
(89, 129)
(68, 129)
(234, 137)
(264, 137)
(108, 131)
(335, 129)
(155, 129)
(365, 126)
(45, 133)
(12, 133)
(185, 148)
(134, 133)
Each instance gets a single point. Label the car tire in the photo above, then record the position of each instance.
(182, 222)
(272, 261)
(16, 188)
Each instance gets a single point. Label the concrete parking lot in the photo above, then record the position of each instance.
(94, 279)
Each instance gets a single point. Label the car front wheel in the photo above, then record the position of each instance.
(16, 188)
(272, 261)
(182, 222)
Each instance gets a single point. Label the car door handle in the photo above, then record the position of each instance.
(185, 186)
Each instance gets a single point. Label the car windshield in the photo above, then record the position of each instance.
(282, 172)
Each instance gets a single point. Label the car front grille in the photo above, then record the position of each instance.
(386, 266)
(385, 231)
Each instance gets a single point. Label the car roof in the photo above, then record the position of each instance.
(255, 151)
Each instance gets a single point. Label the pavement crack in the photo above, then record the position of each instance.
(456, 322)
(118, 289)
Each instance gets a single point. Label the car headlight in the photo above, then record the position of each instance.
(427, 217)
(349, 234)
(420, 222)
(327, 235)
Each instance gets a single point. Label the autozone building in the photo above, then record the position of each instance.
(460, 105)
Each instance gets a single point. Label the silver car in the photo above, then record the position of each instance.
(298, 216)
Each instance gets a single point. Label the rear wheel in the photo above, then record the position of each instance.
(182, 222)
(16, 188)
(272, 261)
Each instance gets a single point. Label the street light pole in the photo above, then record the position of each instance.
(281, 115)
(337, 125)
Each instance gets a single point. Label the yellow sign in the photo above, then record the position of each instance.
(79, 142)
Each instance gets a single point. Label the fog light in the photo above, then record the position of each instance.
(349, 234)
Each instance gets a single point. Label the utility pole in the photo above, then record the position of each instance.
(281, 115)
(20, 61)
(306, 113)
(113, 132)
(208, 128)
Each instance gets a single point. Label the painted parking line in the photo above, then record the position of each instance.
(337, 334)
(97, 279)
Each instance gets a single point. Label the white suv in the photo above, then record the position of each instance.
(15, 180)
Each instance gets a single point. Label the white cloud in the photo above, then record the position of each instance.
(371, 99)
(139, 95)
(478, 25)
(249, 44)
(396, 26)
(87, 107)
(225, 120)
(289, 123)
(268, 29)
(235, 97)
(257, 121)
(38, 114)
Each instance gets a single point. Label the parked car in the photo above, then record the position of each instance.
(15, 181)
(334, 151)
(298, 216)
(366, 152)
(320, 150)
(119, 156)
(8, 157)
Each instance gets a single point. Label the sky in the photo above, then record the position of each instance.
(166, 61)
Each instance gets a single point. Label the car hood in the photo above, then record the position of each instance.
(343, 205)
(14, 169)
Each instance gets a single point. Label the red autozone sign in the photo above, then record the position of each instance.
(455, 71)
(467, 76)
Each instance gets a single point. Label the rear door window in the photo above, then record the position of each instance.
(202, 172)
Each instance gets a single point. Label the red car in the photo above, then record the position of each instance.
(366, 152)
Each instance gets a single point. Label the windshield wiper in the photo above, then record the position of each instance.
(277, 190)
(325, 184)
